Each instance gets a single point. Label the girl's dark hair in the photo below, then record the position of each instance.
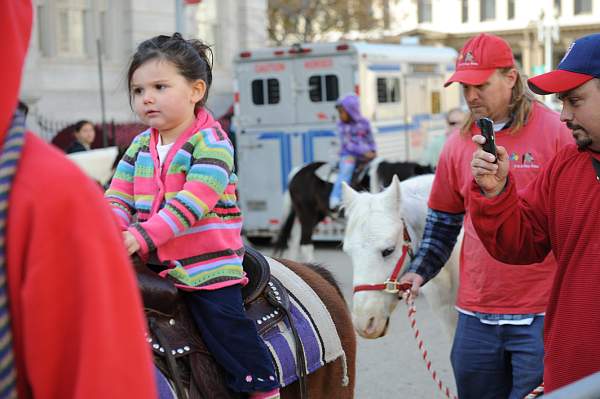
(191, 57)
(81, 124)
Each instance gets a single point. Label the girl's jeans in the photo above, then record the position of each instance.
(346, 168)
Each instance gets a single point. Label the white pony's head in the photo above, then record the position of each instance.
(374, 238)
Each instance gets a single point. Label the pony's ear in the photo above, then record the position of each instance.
(392, 194)
(348, 194)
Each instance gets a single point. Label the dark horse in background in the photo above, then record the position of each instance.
(309, 197)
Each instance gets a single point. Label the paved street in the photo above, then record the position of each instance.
(391, 367)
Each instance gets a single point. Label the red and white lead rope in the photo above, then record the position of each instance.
(412, 311)
(536, 392)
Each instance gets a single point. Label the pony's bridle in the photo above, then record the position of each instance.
(391, 285)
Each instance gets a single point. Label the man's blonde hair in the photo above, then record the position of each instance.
(520, 105)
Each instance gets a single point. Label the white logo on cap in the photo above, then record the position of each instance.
(467, 59)
(567, 53)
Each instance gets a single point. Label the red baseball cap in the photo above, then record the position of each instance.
(479, 58)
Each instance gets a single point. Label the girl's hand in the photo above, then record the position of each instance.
(369, 155)
(130, 243)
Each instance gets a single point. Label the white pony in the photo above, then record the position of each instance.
(374, 239)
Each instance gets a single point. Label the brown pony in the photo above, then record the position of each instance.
(195, 369)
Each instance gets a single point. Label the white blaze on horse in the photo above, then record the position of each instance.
(382, 231)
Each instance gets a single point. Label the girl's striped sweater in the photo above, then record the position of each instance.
(186, 211)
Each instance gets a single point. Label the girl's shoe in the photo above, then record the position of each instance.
(274, 394)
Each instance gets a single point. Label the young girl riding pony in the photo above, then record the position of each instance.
(356, 144)
(174, 195)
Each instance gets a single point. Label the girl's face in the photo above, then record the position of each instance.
(344, 117)
(163, 98)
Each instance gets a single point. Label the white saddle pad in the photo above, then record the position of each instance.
(306, 300)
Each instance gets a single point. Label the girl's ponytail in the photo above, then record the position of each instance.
(206, 54)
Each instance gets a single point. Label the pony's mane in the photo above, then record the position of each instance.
(327, 275)
(415, 194)
(416, 188)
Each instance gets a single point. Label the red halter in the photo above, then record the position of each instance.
(391, 285)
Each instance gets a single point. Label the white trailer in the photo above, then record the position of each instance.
(285, 113)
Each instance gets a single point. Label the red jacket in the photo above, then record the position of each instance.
(76, 315)
(558, 212)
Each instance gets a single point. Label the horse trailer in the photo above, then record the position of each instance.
(285, 113)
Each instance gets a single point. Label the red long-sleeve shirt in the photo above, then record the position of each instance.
(558, 212)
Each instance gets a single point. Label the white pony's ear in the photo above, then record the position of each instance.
(392, 195)
(348, 194)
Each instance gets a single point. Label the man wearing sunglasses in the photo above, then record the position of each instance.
(454, 119)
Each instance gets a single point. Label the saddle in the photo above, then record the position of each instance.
(328, 172)
(177, 347)
(265, 298)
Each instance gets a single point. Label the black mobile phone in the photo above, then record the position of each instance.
(487, 130)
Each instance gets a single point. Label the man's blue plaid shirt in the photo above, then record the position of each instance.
(441, 232)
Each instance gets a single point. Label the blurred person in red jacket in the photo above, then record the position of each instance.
(71, 322)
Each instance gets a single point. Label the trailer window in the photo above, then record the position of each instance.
(270, 90)
(273, 91)
(323, 86)
(388, 90)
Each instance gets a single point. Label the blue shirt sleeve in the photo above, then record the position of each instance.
(439, 238)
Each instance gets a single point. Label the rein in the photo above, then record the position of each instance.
(391, 285)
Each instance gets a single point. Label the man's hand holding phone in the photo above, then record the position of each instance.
(490, 172)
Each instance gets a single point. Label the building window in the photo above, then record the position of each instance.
(487, 10)
(424, 10)
(265, 88)
(465, 11)
(388, 90)
(71, 32)
(558, 7)
(511, 9)
(42, 30)
(320, 87)
(583, 7)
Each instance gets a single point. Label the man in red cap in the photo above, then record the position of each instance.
(71, 321)
(559, 213)
(498, 349)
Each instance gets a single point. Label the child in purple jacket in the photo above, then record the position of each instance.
(356, 141)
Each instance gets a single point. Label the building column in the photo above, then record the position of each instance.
(525, 46)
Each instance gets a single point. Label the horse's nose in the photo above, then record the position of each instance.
(370, 329)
